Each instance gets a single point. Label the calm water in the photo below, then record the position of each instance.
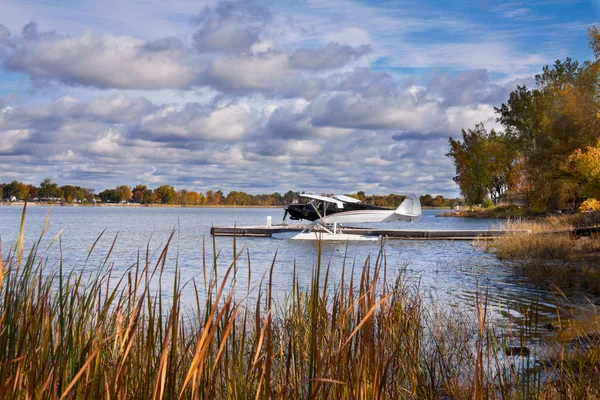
(449, 273)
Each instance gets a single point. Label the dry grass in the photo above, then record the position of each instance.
(549, 238)
(499, 212)
(550, 253)
(63, 335)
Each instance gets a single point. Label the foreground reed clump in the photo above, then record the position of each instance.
(75, 335)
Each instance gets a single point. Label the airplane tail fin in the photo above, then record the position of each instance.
(410, 209)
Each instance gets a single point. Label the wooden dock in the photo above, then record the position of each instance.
(265, 231)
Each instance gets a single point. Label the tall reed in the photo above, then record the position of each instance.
(68, 334)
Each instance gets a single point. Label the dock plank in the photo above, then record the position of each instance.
(405, 234)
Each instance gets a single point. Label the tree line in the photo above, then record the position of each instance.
(547, 156)
(51, 192)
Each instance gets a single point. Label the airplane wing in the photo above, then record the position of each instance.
(346, 199)
(338, 203)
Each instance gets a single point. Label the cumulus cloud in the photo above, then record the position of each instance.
(119, 133)
(118, 109)
(231, 26)
(249, 72)
(227, 55)
(331, 56)
(358, 111)
(105, 62)
(4, 32)
(194, 122)
(470, 87)
(243, 93)
(285, 123)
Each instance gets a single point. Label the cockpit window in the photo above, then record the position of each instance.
(320, 206)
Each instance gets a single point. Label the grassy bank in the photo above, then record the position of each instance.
(64, 334)
(500, 212)
(551, 254)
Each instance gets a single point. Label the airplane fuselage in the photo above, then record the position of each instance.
(341, 209)
(309, 211)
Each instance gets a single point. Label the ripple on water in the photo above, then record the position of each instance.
(451, 273)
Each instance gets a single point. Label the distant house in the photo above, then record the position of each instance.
(12, 198)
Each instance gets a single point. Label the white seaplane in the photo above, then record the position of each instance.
(327, 214)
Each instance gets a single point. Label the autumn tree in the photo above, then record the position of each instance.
(193, 198)
(239, 198)
(587, 166)
(214, 198)
(123, 193)
(141, 194)
(550, 122)
(546, 154)
(166, 194)
(33, 192)
(73, 193)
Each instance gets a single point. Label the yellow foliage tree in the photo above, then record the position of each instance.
(589, 205)
(587, 166)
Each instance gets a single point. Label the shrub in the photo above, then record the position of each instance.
(589, 205)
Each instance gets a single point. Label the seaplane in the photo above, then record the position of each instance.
(328, 214)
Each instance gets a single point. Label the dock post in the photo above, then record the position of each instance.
(269, 221)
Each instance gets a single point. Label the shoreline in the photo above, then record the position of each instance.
(31, 204)
(502, 212)
(129, 205)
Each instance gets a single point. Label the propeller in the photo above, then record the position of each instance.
(285, 214)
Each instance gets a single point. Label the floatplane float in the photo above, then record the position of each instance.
(327, 215)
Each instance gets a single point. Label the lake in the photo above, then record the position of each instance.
(448, 272)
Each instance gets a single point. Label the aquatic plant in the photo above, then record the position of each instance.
(75, 334)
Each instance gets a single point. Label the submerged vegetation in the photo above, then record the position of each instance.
(69, 334)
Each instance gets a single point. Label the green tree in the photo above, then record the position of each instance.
(48, 189)
(109, 196)
(469, 157)
(17, 189)
(289, 197)
(89, 194)
(500, 161)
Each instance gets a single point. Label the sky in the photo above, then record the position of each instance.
(263, 96)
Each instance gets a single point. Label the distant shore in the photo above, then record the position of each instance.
(127, 205)
(32, 204)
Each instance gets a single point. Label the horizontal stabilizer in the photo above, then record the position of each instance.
(410, 208)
